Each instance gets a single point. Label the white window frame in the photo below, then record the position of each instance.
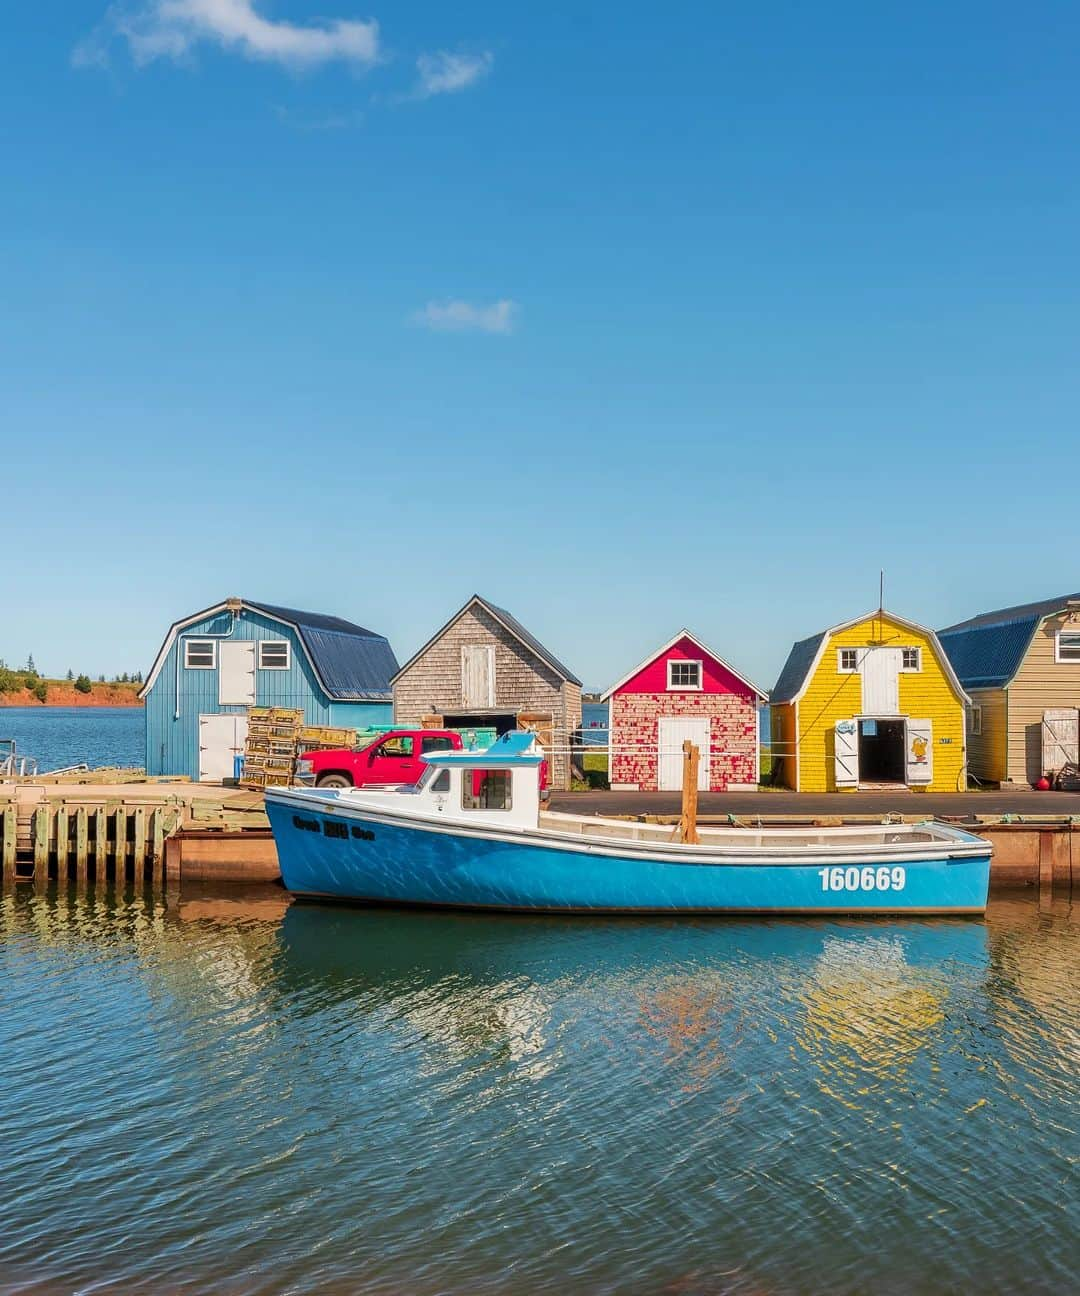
(276, 643)
(911, 670)
(202, 643)
(841, 669)
(975, 720)
(686, 688)
(1066, 661)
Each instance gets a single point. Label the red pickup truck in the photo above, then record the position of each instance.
(393, 758)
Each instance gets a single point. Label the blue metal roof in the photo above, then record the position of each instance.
(796, 668)
(353, 664)
(988, 656)
(986, 650)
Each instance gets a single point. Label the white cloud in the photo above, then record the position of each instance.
(467, 317)
(157, 29)
(446, 73)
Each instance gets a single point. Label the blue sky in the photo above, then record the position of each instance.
(626, 318)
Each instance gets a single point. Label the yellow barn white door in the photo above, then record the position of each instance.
(880, 671)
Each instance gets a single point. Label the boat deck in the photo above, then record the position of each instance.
(765, 839)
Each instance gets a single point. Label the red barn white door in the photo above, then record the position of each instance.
(673, 732)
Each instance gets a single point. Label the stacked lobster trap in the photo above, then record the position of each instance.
(277, 737)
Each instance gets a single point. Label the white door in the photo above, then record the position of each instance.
(880, 671)
(846, 754)
(236, 674)
(477, 676)
(673, 732)
(221, 740)
(1060, 735)
(920, 751)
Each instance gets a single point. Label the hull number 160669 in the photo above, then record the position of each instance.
(863, 878)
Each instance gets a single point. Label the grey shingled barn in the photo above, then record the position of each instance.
(484, 668)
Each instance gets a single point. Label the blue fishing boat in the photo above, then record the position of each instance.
(471, 834)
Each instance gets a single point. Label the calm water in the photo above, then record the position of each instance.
(60, 736)
(248, 1096)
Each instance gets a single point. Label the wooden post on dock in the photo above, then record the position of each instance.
(40, 831)
(62, 844)
(688, 824)
(139, 845)
(120, 845)
(81, 844)
(7, 846)
(101, 843)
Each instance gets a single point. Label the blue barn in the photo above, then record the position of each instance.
(216, 663)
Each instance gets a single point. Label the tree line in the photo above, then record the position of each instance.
(12, 679)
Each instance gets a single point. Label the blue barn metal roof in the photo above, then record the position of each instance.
(353, 664)
(350, 663)
(986, 650)
(796, 668)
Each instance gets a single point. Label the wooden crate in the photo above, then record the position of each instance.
(313, 737)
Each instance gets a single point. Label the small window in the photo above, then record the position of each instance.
(486, 789)
(273, 654)
(434, 744)
(911, 659)
(398, 746)
(200, 654)
(1068, 646)
(847, 661)
(975, 719)
(441, 781)
(684, 675)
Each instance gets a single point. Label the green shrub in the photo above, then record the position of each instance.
(83, 685)
(9, 681)
(41, 691)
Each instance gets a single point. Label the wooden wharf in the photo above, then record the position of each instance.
(120, 833)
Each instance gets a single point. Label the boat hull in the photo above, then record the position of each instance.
(375, 859)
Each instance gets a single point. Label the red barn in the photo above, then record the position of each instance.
(684, 690)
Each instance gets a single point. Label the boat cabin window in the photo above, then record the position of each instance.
(486, 789)
(441, 781)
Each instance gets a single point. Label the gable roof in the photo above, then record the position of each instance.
(797, 667)
(350, 663)
(684, 634)
(806, 654)
(986, 650)
(510, 623)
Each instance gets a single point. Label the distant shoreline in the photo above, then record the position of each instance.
(64, 694)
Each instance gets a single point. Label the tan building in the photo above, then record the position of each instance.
(484, 669)
(1021, 668)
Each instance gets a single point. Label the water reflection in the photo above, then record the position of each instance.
(227, 1091)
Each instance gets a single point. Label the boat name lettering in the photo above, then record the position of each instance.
(332, 829)
(306, 825)
(363, 834)
(864, 877)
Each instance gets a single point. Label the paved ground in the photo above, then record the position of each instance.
(748, 804)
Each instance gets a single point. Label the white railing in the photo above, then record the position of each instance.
(12, 765)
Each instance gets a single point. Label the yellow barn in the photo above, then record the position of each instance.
(873, 702)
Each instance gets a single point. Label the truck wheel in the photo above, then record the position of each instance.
(334, 780)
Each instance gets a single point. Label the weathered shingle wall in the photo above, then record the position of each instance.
(432, 684)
